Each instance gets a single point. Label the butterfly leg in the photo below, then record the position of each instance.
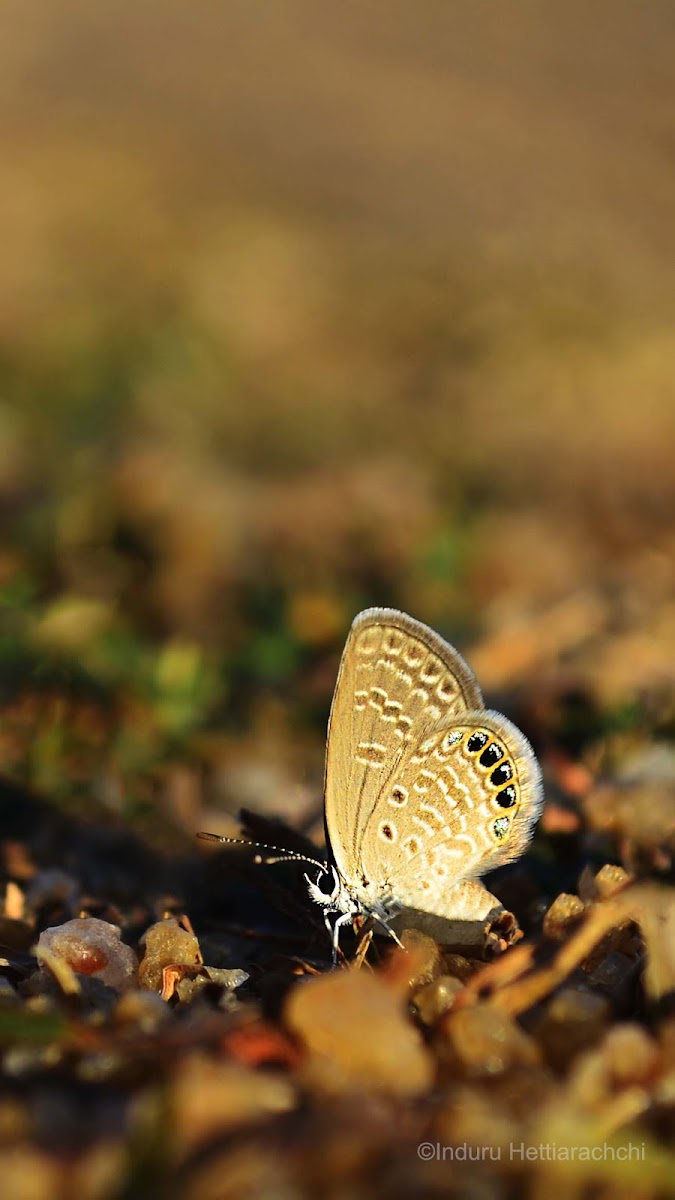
(343, 919)
(391, 933)
(362, 947)
(332, 931)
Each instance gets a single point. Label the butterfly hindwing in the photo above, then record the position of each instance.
(462, 800)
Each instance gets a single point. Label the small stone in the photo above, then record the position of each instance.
(9, 996)
(434, 999)
(459, 967)
(482, 1041)
(29, 1173)
(100, 1066)
(573, 1020)
(357, 1035)
(166, 944)
(628, 1057)
(563, 917)
(466, 1113)
(424, 957)
(189, 987)
(228, 979)
(26, 1059)
(208, 1097)
(38, 1002)
(623, 939)
(632, 1054)
(605, 883)
(609, 880)
(141, 1010)
(89, 946)
(613, 976)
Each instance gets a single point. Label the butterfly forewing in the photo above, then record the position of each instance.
(398, 683)
(461, 801)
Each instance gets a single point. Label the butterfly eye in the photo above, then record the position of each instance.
(476, 742)
(327, 882)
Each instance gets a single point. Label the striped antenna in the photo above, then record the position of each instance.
(280, 855)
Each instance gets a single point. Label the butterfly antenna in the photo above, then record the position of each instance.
(278, 852)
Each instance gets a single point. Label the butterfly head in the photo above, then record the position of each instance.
(334, 894)
(327, 890)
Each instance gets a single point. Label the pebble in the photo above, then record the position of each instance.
(209, 1096)
(92, 947)
(431, 1001)
(573, 1020)
(166, 944)
(563, 917)
(483, 1041)
(356, 1034)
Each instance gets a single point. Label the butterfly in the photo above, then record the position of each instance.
(425, 789)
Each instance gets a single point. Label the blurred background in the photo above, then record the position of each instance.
(311, 306)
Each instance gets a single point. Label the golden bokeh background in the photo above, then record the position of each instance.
(308, 306)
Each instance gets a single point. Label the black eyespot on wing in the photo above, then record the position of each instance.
(476, 742)
(491, 755)
(388, 832)
(502, 774)
(507, 797)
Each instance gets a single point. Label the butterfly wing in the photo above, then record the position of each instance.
(462, 800)
(397, 680)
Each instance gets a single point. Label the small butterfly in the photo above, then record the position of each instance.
(425, 789)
